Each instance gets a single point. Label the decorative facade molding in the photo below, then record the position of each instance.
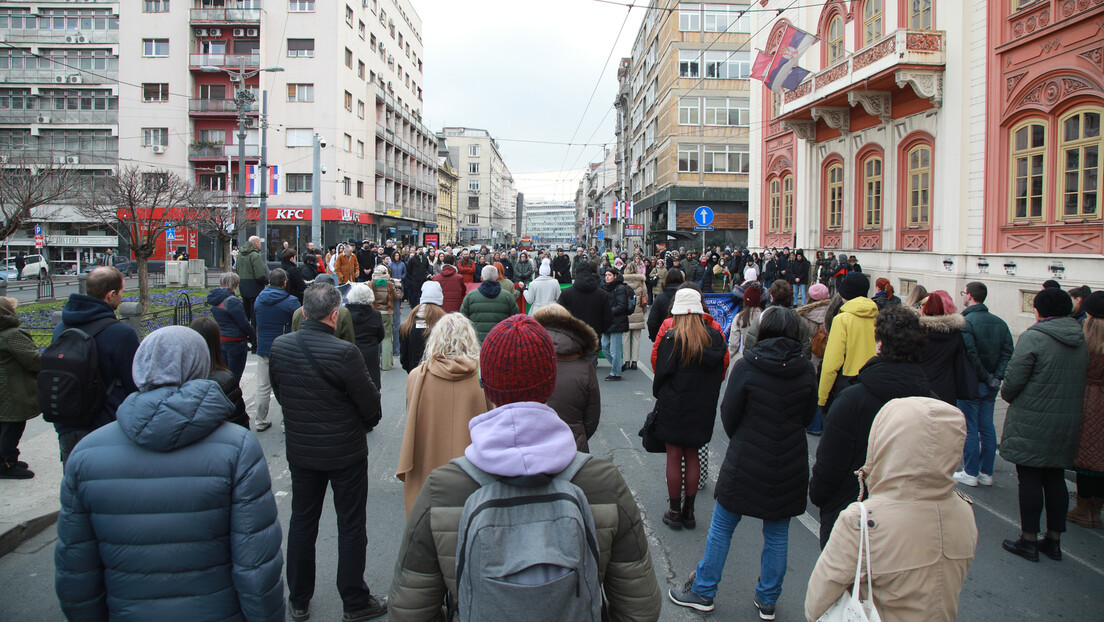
(1094, 56)
(926, 84)
(781, 164)
(805, 130)
(837, 118)
(1012, 81)
(835, 72)
(1046, 94)
(876, 103)
(878, 50)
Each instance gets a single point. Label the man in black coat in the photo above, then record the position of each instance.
(417, 272)
(588, 302)
(329, 403)
(366, 259)
(894, 373)
(561, 267)
(799, 270)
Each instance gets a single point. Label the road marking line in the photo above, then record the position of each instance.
(810, 523)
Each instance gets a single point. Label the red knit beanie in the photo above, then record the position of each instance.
(518, 362)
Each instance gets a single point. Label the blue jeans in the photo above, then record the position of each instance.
(234, 354)
(772, 563)
(800, 290)
(611, 346)
(979, 422)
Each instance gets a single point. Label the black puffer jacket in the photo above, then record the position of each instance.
(561, 268)
(586, 301)
(661, 308)
(686, 395)
(619, 295)
(368, 327)
(295, 283)
(231, 388)
(770, 399)
(327, 409)
(950, 372)
(842, 448)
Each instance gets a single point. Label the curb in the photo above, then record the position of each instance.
(20, 533)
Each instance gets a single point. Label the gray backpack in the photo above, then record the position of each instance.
(527, 548)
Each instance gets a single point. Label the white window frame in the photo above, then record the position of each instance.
(473, 168)
(692, 158)
(150, 48)
(304, 93)
(298, 182)
(689, 17)
(729, 156)
(300, 53)
(300, 6)
(155, 136)
(347, 143)
(360, 149)
(725, 65)
(299, 137)
(155, 6)
(473, 185)
(162, 92)
(473, 151)
(689, 63)
(689, 111)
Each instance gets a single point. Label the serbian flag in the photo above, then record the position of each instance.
(780, 71)
(629, 210)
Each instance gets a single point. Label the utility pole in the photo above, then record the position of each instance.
(264, 170)
(243, 98)
(316, 194)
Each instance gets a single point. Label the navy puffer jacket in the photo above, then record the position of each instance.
(168, 514)
(229, 312)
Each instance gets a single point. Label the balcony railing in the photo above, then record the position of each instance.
(252, 61)
(60, 117)
(108, 157)
(226, 16)
(60, 75)
(218, 106)
(12, 35)
(221, 152)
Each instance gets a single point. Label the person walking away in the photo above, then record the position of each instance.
(344, 330)
(765, 474)
(620, 296)
(295, 283)
(171, 456)
(750, 312)
(116, 344)
(253, 276)
(913, 450)
(630, 339)
(917, 296)
(442, 396)
(1079, 294)
(814, 315)
(237, 331)
(522, 441)
(368, 326)
(506, 283)
(1089, 463)
(850, 338)
(883, 296)
(661, 309)
(417, 270)
(346, 266)
(220, 373)
(275, 310)
(894, 373)
(488, 304)
(577, 398)
(988, 348)
(20, 360)
(690, 364)
(544, 291)
(588, 302)
(328, 407)
(452, 285)
(800, 269)
(781, 295)
(415, 330)
(1044, 386)
(950, 372)
(385, 294)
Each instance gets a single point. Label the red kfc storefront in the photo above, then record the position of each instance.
(293, 225)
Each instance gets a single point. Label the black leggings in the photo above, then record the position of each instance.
(1041, 487)
(1090, 486)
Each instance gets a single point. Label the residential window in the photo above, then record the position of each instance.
(1028, 170)
(726, 18)
(920, 14)
(689, 17)
(649, 134)
(473, 151)
(726, 159)
(348, 101)
(727, 111)
(348, 58)
(155, 47)
(347, 144)
(787, 202)
(300, 92)
(835, 197)
(299, 137)
(689, 63)
(156, 6)
(372, 42)
(873, 18)
(689, 110)
(347, 186)
(360, 109)
(649, 173)
(360, 69)
(688, 158)
(872, 193)
(300, 48)
(835, 39)
(360, 189)
(473, 219)
(727, 65)
(155, 92)
(300, 6)
(473, 185)
(298, 182)
(361, 29)
(774, 209)
(212, 183)
(473, 201)
(473, 168)
(349, 15)
(1079, 158)
(155, 136)
(360, 149)
(919, 186)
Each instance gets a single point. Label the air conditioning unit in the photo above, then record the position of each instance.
(252, 32)
(239, 32)
(159, 149)
(43, 118)
(201, 32)
(220, 168)
(59, 79)
(70, 39)
(82, 39)
(75, 79)
(215, 32)
(72, 160)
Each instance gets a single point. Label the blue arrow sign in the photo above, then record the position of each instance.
(703, 216)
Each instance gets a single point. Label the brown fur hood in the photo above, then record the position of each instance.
(571, 336)
(943, 323)
(804, 310)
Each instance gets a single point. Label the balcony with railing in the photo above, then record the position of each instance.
(60, 37)
(230, 61)
(57, 74)
(226, 16)
(218, 107)
(60, 117)
(82, 157)
(222, 152)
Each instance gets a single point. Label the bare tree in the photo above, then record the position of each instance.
(26, 185)
(217, 219)
(140, 206)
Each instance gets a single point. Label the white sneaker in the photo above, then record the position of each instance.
(985, 480)
(964, 478)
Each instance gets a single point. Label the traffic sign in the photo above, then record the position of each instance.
(703, 227)
(703, 215)
(170, 234)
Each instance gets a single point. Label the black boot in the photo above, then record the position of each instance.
(1027, 549)
(1051, 547)
(688, 512)
(673, 517)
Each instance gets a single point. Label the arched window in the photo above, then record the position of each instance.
(835, 39)
(775, 205)
(872, 193)
(920, 14)
(919, 186)
(835, 197)
(787, 203)
(1028, 175)
(873, 21)
(1079, 147)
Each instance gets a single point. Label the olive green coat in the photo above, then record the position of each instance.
(1044, 386)
(20, 360)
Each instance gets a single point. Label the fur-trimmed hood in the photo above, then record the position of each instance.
(804, 310)
(943, 323)
(571, 336)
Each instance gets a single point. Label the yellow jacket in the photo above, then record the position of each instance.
(850, 343)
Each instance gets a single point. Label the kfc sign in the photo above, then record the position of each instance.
(291, 214)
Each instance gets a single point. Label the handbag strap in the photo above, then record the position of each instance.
(314, 364)
(864, 544)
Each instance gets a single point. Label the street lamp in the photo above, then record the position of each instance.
(243, 98)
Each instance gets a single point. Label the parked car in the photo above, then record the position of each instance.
(37, 267)
(124, 264)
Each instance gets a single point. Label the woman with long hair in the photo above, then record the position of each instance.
(752, 308)
(421, 320)
(220, 373)
(1089, 463)
(945, 363)
(442, 395)
(690, 363)
(918, 295)
(884, 297)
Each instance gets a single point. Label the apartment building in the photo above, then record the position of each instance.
(59, 106)
(447, 200)
(486, 195)
(598, 191)
(550, 223)
(683, 118)
(358, 88)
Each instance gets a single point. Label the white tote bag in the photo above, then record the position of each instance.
(849, 608)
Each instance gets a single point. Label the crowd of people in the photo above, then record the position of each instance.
(502, 352)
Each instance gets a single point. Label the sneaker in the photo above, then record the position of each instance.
(376, 608)
(299, 615)
(1050, 548)
(263, 425)
(1024, 548)
(766, 611)
(625, 367)
(9, 470)
(633, 365)
(964, 478)
(612, 378)
(985, 479)
(684, 597)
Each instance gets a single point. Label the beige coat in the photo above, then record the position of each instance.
(923, 535)
(442, 396)
(640, 290)
(813, 315)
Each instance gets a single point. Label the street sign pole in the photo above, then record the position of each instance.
(703, 221)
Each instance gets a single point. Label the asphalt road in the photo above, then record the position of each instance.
(999, 586)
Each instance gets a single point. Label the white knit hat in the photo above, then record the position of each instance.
(687, 301)
(545, 269)
(432, 293)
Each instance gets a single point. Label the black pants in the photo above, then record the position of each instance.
(1088, 486)
(1039, 488)
(10, 433)
(68, 441)
(248, 304)
(308, 494)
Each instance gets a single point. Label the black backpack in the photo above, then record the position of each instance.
(70, 390)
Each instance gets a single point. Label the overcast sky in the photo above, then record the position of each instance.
(524, 70)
